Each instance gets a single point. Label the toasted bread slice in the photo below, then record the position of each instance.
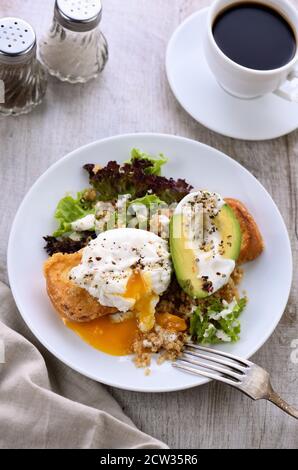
(68, 299)
(252, 243)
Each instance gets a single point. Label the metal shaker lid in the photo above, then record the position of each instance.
(78, 15)
(17, 40)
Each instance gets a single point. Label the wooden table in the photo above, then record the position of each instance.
(132, 96)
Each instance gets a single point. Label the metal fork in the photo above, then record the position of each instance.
(240, 373)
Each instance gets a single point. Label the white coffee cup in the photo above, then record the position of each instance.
(244, 82)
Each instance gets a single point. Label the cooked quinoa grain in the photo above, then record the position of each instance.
(167, 344)
(170, 344)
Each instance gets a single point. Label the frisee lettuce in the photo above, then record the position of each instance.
(218, 322)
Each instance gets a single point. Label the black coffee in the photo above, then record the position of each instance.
(255, 36)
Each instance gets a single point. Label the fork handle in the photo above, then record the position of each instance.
(278, 401)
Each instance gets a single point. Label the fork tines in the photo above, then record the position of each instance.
(213, 364)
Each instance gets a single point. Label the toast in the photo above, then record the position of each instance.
(252, 243)
(68, 299)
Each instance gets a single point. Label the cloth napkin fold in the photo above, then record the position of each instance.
(45, 404)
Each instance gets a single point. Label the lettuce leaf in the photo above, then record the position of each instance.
(68, 210)
(157, 162)
(218, 322)
(138, 178)
(148, 200)
(66, 244)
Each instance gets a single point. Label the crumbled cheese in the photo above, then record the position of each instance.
(225, 311)
(220, 334)
(147, 344)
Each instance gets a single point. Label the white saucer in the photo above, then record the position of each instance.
(200, 95)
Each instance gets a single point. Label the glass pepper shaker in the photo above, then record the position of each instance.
(23, 80)
(74, 49)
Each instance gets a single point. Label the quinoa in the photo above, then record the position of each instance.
(175, 300)
(168, 344)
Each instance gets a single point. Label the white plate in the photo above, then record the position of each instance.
(199, 94)
(267, 280)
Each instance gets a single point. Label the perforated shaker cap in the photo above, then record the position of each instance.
(17, 40)
(78, 15)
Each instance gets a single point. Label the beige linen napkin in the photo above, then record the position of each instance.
(45, 404)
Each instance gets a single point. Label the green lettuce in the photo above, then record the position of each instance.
(218, 322)
(68, 210)
(148, 200)
(141, 210)
(157, 162)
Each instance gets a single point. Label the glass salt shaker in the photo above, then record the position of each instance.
(23, 80)
(74, 49)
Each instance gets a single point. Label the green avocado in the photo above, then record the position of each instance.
(184, 258)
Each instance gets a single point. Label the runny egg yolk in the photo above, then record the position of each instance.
(107, 336)
(139, 289)
(117, 338)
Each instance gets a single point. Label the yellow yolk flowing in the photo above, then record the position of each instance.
(171, 322)
(139, 289)
(103, 334)
(117, 338)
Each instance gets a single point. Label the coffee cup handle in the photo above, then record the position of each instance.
(289, 88)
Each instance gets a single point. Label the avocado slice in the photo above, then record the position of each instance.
(185, 258)
(229, 228)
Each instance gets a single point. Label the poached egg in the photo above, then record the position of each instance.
(199, 210)
(128, 269)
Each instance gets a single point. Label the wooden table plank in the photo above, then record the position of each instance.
(133, 96)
